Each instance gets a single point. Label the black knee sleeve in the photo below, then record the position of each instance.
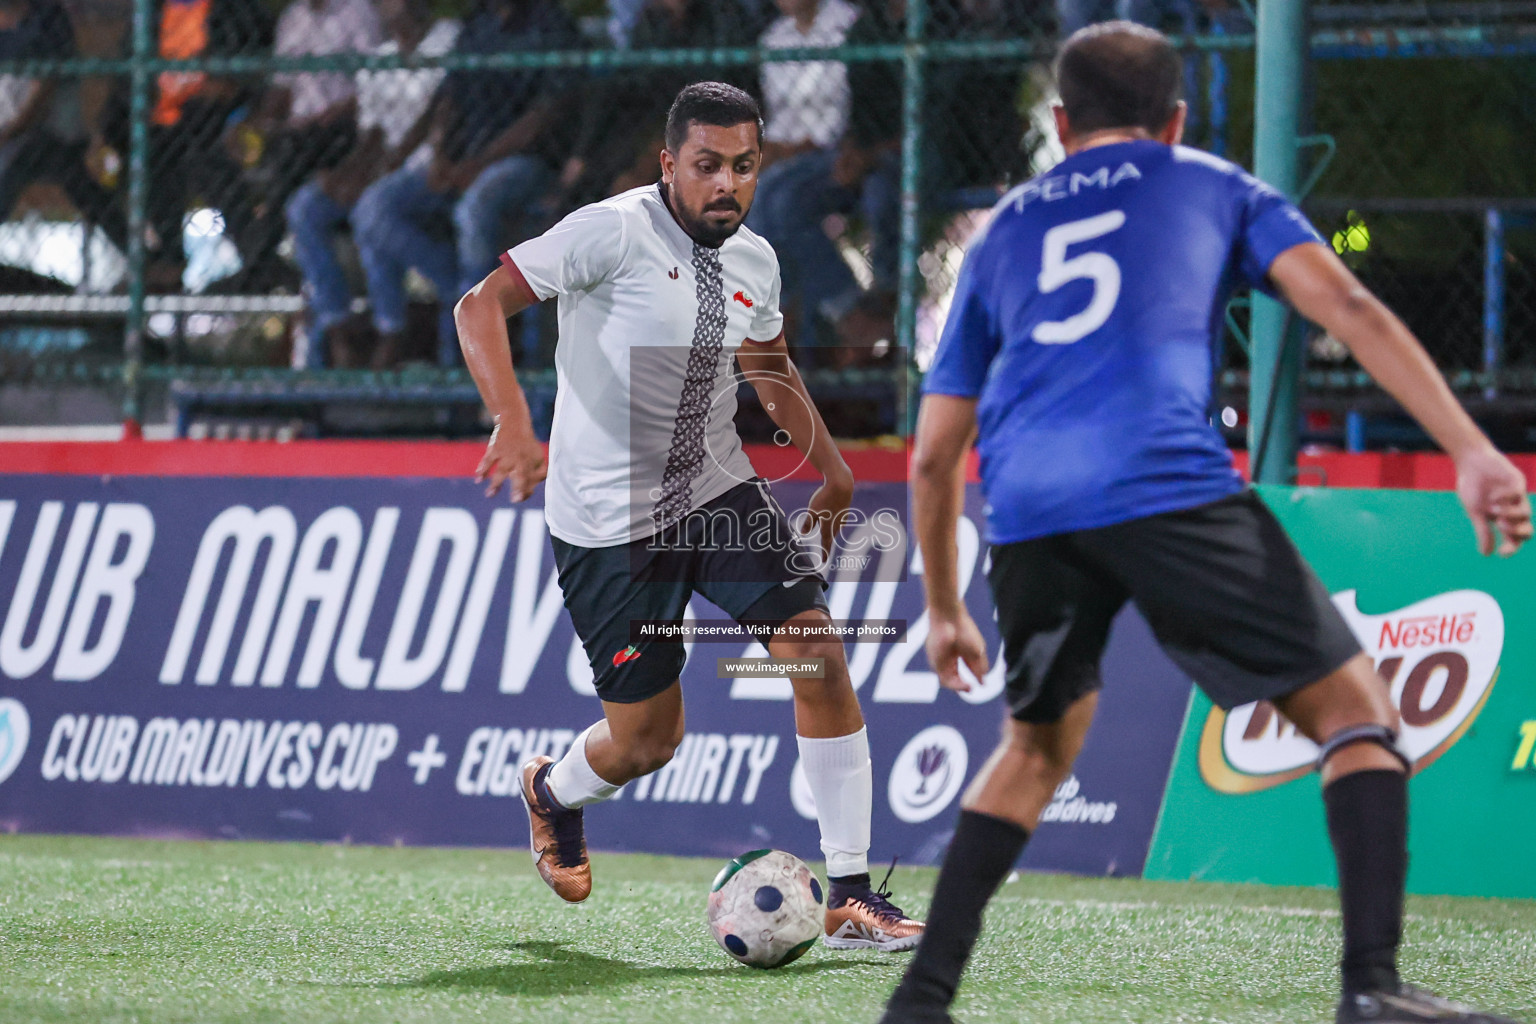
(1372, 733)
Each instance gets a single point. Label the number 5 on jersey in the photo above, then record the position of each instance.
(1100, 268)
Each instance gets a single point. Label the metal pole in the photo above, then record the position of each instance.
(1216, 95)
(1278, 90)
(914, 68)
(138, 194)
(1493, 298)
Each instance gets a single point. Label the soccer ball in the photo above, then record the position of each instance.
(765, 908)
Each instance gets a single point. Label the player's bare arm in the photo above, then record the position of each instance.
(514, 455)
(1324, 290)
(945, 426)
(781, 389)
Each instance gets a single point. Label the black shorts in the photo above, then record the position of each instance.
(1226, 593)
(737, 550)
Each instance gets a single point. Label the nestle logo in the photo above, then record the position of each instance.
(1426, 631)
(1438, 658)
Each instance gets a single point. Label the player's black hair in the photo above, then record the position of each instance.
(711, 103)
(1118, 74)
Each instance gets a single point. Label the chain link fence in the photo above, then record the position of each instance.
(1430, 195)
(321, 179)
(1424, 180)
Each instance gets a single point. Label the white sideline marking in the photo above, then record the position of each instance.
(1119, 905)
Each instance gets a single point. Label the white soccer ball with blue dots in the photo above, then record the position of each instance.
(765, 908)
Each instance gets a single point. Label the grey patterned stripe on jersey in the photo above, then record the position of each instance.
(686, 455)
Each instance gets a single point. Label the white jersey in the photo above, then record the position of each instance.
(644, 428)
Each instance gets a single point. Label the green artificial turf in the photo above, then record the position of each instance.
(124, 930)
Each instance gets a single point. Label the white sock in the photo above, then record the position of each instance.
(842, 783)
(573, 782)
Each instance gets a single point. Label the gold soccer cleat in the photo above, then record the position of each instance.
(556, 837)
(868, 919)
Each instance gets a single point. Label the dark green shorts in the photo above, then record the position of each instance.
(737, 550)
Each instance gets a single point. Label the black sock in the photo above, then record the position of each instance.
(1368, 823)
(980, 856)
(840, 887)
(541, 790)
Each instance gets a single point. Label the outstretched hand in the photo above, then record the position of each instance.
(951, 641)
(1493, 492)
(515, 458)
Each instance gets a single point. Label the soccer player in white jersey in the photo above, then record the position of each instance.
(650, 497)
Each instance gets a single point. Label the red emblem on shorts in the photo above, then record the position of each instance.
(739, 297)
(629, 653)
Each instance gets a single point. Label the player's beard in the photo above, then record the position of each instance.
(699, 227)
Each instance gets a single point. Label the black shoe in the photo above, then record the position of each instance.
(916, 1015)
(1408, 1005)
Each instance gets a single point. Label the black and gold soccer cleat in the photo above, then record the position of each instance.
(556, 838)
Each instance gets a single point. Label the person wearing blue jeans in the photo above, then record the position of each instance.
(313, 218)
(972, 131)
(393, 224)
(497, 139)
(796, 195)
(394, 117)
(510, 186)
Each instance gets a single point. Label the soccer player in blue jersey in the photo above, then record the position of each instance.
(1079, 354)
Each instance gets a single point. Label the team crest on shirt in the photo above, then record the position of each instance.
(1440, 656)
(741, 298)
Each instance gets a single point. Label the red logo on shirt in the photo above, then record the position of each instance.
(739, 297)
(673, 275)
(627, 654)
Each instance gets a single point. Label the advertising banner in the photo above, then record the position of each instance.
(371, 659)
(1451, 633)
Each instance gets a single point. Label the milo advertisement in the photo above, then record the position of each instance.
(1451, 633)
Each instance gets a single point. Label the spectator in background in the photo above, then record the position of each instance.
(188, 114)
(975, 143)
(42, 132)
(393, 119)
(306, 121)
(623, 15)
(972, 132)
(623, 113)
(497, 138)
(1178, 16)
(805, 102)
(860, 175)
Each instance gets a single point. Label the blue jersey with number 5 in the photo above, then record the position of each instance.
(1086, 321)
